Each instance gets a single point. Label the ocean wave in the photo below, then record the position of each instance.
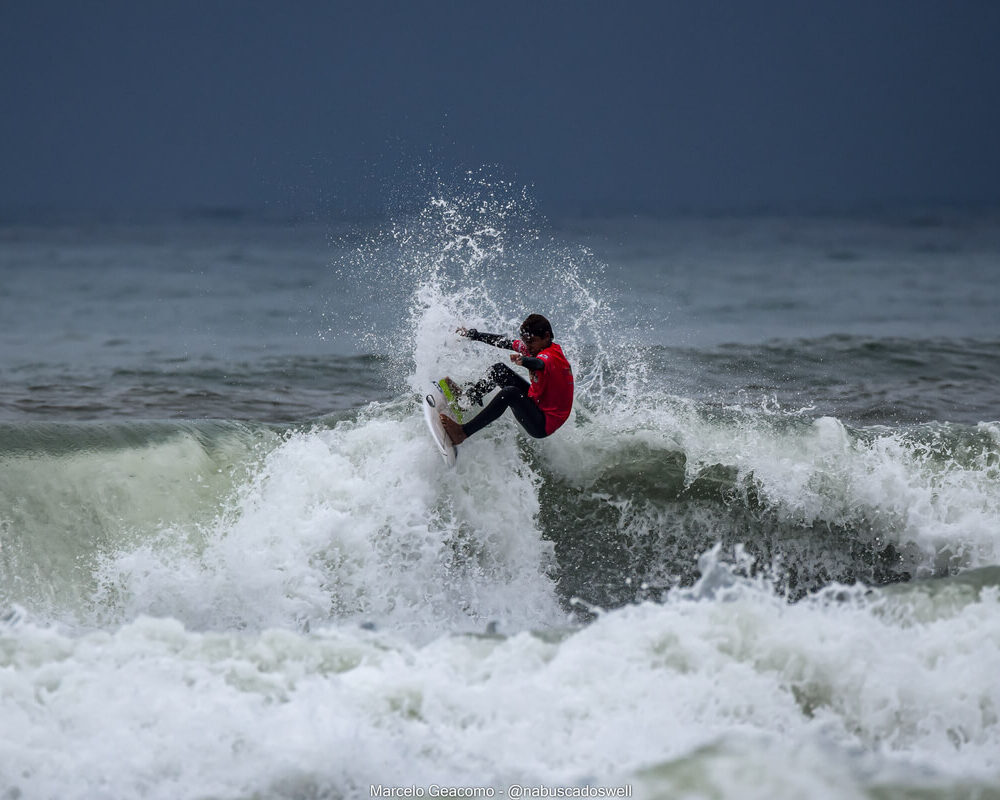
(228, 524)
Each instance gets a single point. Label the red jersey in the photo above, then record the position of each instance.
(552, 387)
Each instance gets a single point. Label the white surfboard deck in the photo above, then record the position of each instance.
(435, 403)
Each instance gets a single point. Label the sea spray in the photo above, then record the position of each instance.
(473, 255)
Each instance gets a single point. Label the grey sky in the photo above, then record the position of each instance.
(632, 107)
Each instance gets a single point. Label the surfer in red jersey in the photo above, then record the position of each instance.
(542, 405)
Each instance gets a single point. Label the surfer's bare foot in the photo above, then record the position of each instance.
(453, 387)
(453, 429)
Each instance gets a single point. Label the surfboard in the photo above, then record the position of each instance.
(439, 400)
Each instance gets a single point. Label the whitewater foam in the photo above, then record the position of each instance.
(656, 695)
(358, 522)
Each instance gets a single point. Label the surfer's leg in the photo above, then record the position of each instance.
(531, 417)
(512, 395)
(499, 375)
(525, 410)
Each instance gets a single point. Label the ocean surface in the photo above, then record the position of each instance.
(761, 560)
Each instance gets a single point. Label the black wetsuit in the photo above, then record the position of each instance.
(513, 393)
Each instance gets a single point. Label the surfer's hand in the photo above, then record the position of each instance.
(517, 358)
(464, 332)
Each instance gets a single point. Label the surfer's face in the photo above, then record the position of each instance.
(535, 343)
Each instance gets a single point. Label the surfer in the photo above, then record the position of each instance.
(542, 405)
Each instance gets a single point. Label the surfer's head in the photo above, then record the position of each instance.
(536, 332)
(536, 325)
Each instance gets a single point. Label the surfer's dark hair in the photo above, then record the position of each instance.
(536, 324)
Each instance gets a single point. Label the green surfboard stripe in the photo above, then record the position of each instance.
(452, 402)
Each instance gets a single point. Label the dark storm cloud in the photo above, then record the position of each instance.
(633, 107)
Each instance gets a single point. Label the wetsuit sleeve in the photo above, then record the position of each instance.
(494, 339)
(534, 364)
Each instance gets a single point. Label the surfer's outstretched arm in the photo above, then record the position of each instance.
(495, 339)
